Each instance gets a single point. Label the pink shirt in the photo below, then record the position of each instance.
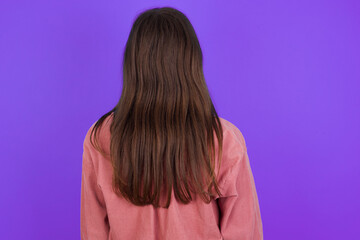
(236, 215)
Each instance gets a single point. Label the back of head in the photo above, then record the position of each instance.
(163, 57)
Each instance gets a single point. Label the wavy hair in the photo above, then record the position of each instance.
(162, 132)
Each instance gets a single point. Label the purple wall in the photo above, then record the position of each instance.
(286, 73)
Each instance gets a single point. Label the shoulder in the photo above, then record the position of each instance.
(232, 133)
(103, 132)
(86, 140)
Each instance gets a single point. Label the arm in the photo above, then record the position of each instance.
(239, 207)
(94, 220)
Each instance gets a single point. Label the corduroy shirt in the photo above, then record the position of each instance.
(234, 216)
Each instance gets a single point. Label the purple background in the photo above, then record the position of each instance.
(286, 73)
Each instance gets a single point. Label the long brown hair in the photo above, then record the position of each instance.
(162, 132)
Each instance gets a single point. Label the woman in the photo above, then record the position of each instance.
(162, 164)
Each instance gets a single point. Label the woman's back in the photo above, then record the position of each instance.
(235, 215)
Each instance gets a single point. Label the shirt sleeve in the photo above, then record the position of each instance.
(240, 217)
(94, 219)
